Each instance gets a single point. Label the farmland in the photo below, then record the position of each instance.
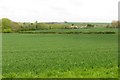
(60, 55)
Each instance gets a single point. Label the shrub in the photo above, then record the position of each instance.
(90, 25)
(7, 30)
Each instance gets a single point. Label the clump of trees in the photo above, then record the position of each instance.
(6, 25)
(90, 26)
(27, 26)
(9, 26)
(114, 24)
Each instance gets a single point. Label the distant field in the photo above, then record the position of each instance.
(60, 55)
(85, 23)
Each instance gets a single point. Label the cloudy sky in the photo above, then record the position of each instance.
(59, 10)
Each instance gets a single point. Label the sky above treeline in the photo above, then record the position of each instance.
(59, 10)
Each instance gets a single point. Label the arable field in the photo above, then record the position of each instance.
(60, 55)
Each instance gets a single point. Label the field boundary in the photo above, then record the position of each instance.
(106, 32)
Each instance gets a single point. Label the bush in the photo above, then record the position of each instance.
(90, 26)
(7, 30)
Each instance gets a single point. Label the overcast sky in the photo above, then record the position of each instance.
(59, 10)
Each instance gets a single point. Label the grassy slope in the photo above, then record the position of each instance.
(60, 55)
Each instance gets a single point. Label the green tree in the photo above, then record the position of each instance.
(114, 24)
(9, 26)
(6, 25)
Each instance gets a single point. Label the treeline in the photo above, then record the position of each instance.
(8, 26)
(40, 26)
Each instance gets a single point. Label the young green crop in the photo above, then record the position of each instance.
(60, 55)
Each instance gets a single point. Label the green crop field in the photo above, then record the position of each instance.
(60, 55)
